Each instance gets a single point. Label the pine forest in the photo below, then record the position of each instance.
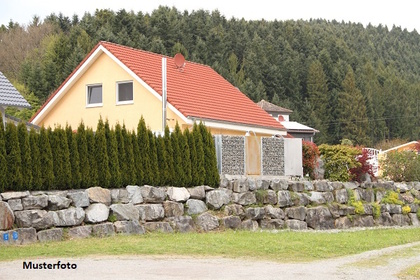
(347, 80)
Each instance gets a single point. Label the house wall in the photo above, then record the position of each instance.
(72, 107)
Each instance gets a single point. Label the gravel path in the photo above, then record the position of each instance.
(175, 267)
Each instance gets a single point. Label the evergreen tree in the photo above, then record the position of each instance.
(129, 164)
(92, 157)
(140, 179)
(156, 181)
(179, 179)
(13, 157)
(195, 181)
(162, 158)
(210, 161)
(101, 154)
(76, 176)
(112, 150)
(186, 158)
(121, 155)
(84, 155)
(36, 160)
(144, 151)
(3, 161)
(46, 160)
(170, 156)
(61, 158)
(25, 155)
(353, 118)
(199, 146)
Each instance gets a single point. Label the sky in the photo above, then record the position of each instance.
(403, 13)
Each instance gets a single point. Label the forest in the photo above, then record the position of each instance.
(347, 80)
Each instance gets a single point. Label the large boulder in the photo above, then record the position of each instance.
(232, 222)
(80, 232)
(207, 222)
(363, 221)
(251, 225)
(256, 213)
(343, 223)
(277, 184)
(153, 194)
(296, 213)
(296, 225)
(119, 196)
(266, 197)
(102, 230)
(217, 198)
(322, 186)
(235, 210)
(284, 199)
(15, 204)
(195, 206)
(129, 227)
(273, 212)
(54, 234)
(70, 217)
(7, 218)
(96, 213)
(178, 194)
(197, 192)
(19, 236)
(35, 202)
(295, 186)
(151, 212)
(385, 219)
(244, 198)
(341, 196)
(271, 224)
(317, 198)
(99, 195)
(401, 220)
(14, 195)
(79, 198)
(56, 202)
(134, 194)
(173, 209)
(38, 219)
(414, 219)
(124, 212)
(182, 223)
(240, 185)
(319, 218)
(163, 227)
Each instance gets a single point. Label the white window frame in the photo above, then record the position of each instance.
(90, 105)
(118, 94)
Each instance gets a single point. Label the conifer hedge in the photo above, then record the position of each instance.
(64, 158)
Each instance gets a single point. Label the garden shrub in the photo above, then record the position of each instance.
(364, 167)
(401, 166)
(310, 154)
(338, 160)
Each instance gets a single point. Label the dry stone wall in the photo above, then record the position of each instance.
(240, 203)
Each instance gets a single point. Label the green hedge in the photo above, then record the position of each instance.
(109, 157)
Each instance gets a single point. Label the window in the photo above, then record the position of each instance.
(94, 95)
(125, 93)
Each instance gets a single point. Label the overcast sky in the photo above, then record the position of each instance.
(403, 13)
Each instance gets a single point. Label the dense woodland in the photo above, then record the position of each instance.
(344, 79)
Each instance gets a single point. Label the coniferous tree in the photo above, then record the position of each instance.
(186, 158)
(179, 179)
(199, 146)
(144, 151)
(156, 181)
(13, 157)
(162, 158)
(46, 160)
(195, 181)
(170, 156)
(84, 154)
(25, 155)
(61, 158)
(130, 168)
(36, 160)
(93, 164)
(210, 161)
(3, 161)
(101, 154)
(112, 150)
(122, 161)
(137, 160)
(76, 176)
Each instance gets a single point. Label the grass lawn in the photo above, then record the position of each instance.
(412, 272)
(284, 246)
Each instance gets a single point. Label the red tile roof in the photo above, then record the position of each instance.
(196, 91)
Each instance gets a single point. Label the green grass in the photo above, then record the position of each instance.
(284, 246)
(413, 272)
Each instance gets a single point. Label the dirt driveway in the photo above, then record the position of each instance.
(391, 261)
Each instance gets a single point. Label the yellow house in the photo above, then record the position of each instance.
(122, 84)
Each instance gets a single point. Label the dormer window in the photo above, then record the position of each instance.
(125, 93)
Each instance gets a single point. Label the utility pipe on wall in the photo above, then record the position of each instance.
(163, 94)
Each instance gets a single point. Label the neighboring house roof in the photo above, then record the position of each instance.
(16, 121)
(9, 96)
(297, 127)
(195, 91)
(413, 146)
(270, 107)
